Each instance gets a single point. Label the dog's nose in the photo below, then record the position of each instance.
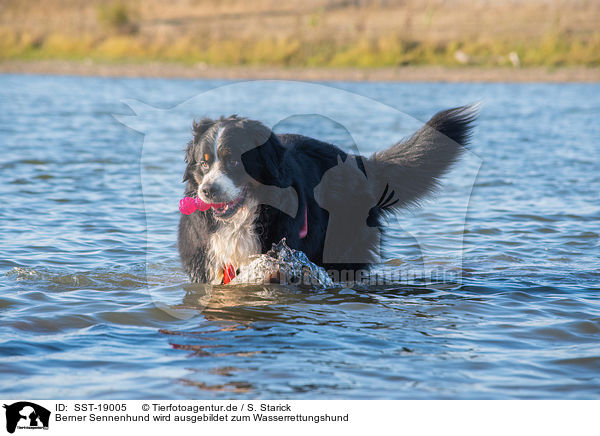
(210, 191)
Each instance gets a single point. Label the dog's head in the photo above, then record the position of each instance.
(227, 158)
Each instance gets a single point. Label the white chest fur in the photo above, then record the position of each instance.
(234, 242)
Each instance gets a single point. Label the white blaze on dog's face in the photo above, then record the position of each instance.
(217, 185)
(219, 172)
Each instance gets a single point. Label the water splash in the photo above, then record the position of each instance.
(286, 265)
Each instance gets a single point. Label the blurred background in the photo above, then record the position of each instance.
(316, 34)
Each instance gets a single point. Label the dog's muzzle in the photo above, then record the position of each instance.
(227, 209)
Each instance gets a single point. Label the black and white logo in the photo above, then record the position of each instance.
(26, 415)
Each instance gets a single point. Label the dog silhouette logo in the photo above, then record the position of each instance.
(26, 415)
(348, 196)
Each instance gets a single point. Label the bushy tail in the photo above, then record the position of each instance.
(411, 169)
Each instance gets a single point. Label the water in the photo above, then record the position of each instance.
(81, 282)
(291, 266)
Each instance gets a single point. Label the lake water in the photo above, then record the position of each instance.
(89, 268)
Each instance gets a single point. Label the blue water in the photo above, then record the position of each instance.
(80, 276)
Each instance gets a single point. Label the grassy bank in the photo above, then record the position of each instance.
(391, 50)
(320, 33)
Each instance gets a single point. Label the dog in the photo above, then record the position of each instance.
(263, 187)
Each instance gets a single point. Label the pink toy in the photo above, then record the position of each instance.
(189, 205)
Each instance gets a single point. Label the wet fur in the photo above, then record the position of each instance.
(409, 169)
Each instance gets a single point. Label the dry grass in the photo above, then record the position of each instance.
(333, 33)
(387, 74)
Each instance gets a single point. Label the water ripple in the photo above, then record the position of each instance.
(82, 286)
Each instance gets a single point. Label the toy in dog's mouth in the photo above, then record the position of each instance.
(225, 210)
(189, 205)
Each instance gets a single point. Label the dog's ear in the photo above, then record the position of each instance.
(198, 128)
(263, 153)
(263, 163)
(272, 154)
(190, 160)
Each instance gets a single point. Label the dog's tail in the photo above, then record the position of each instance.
(410, 169)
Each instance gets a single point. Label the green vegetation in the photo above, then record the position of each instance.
(552, 50)
(329, 35)
(116, 17)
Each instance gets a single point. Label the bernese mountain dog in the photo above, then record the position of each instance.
(258, 187)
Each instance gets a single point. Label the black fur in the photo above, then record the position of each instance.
(391, 179)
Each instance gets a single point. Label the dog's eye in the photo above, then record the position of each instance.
(204, 164)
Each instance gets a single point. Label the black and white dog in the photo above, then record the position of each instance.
(263, 187)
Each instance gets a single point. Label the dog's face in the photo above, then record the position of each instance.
(214, 162)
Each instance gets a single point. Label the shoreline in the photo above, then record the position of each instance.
(388, 74)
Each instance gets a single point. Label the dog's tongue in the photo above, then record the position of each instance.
(218, 205)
